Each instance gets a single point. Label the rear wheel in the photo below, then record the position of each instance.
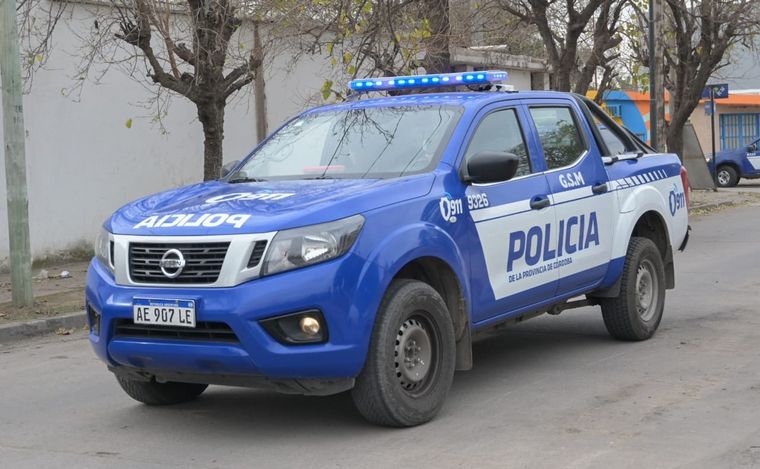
(636, 312)
(410, 362)
(727, 176)
(155, 393)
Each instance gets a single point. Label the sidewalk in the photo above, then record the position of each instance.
(708, 201)
(58, 302)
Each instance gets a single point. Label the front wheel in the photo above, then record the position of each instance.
(410, 362)
(727, 176)
(155, 393)
(636, 312)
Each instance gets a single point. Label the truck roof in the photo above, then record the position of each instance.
(466, 99)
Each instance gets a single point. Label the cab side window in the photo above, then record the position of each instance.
(615, 144)
(559, 135)
(500, 131)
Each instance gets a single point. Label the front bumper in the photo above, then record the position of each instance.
(330, 287)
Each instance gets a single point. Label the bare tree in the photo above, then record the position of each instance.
(199, 71)
(367, 37)
(580, 37)
(699, 36)
(37, 21)
(184, 47)
(703, 33)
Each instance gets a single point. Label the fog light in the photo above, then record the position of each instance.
(309, 325)
(305, 327)
(93, 317)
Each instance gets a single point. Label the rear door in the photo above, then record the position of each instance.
(581, 243)
(509, 219)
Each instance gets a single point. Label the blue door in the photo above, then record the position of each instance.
(510, 219)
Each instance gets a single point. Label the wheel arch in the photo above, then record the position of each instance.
(648, 223)
(735, 165)
(424, 252)
(438, 274)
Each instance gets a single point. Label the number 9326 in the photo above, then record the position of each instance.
(476, 201)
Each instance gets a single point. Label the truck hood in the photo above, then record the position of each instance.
(731, 154)
(219, 208)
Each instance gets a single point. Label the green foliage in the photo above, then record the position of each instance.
(326, 89)
(375, 37)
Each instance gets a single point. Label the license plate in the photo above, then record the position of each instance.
(162, 312)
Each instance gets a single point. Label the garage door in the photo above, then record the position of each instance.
(737, 130)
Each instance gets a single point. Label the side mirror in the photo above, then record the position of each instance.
(229, 167)
(752, 148)
(492, 166)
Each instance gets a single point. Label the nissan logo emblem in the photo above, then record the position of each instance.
(172, 263)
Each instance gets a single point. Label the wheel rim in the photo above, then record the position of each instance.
(723, 177)
(415, 354)
(647, 290)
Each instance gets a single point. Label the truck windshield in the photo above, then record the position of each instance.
(379, 142)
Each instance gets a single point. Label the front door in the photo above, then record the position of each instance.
(512, 219)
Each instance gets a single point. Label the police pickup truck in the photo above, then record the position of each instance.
(364, 245)
(736, 163)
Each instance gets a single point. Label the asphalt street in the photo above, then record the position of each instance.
(746, 185)
(552, 392)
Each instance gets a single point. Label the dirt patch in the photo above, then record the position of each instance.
(54, 294)
(706, 202)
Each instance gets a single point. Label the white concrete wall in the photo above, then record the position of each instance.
(520, 79)
(83, 162)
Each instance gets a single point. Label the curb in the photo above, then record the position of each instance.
(16, 331)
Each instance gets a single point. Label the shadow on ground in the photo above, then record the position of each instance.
(514, 355)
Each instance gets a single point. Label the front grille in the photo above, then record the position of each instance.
(203, 262)
(203, 331)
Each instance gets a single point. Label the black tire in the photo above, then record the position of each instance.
(394, 388)
(154, 393)
(625, 316)
(727, 176)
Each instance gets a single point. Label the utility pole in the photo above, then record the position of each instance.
(15, 159)
(656, 92)
(659, 78)
(259, 93)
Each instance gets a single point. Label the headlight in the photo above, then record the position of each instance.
(103, 249)
(299, 247)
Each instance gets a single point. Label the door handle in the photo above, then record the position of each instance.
(599, 188)
(540, 201)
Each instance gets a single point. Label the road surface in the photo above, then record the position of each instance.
(746, 185)
(552, 392)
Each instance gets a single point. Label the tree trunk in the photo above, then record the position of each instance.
(211, 116)
(562, 72)
(560, 79)
(438, 56)
(675, 141)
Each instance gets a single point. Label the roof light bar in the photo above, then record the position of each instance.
(486, 77)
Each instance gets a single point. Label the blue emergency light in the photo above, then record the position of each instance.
(486, 77)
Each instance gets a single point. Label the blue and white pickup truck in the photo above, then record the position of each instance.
(364, 245)
(737, 163)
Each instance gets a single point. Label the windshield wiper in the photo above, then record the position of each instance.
(245, 179)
